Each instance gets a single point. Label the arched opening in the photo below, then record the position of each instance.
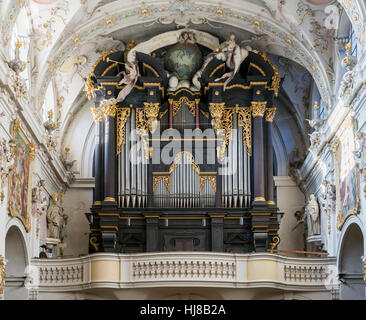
(350, 265)
(16, 263)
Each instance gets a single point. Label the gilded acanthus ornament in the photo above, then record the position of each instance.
(176, 105)
(122, 117)
(245, 121)
(151, 113)
(142, 131)
(270, 114)
(166, 180)
(210, 178)
(217, 113)
(106, 108)
(258, 108)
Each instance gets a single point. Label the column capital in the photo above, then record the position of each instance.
(106, 108)
(270, 114)
(258, 108)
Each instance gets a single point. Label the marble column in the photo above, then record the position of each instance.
(270, 114)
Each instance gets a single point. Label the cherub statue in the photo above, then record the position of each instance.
(187, 37)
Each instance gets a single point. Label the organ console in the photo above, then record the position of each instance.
(184, 169)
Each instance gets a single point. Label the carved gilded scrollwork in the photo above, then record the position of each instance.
(97, 114)
(151, 113)
(258, 108)
(142, 131)
(217, 112)
(109, 108)
(89, 85)
(122, 116)
(270, 114)
(178, 157)
(176, 105)
(227, 126)
(276, 79)
(166, 180)
(146, 121)
(245, 121)
(94, 242)
(106, 108)
(222, 123)
(211, 179)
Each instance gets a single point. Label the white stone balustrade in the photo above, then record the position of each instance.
(174, 269)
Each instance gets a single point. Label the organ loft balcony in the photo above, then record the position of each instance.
(195, 275)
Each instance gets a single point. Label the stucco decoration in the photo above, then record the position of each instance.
(293, 40)
(44, 1)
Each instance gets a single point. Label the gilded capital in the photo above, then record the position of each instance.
(258, 108)
(109, 108)
(270, 114)
(97, 114)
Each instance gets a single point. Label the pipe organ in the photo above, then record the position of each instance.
(184, 167)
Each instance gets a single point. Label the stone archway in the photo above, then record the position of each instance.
(16, 263)
(350, 265)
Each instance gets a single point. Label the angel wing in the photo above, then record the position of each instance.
(239, 55)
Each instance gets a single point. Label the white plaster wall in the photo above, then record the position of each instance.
(289, 200)
(79, 136)
(77, 202)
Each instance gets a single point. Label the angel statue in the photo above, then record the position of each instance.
(233, 54)
(230, 52)
(129, 78)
